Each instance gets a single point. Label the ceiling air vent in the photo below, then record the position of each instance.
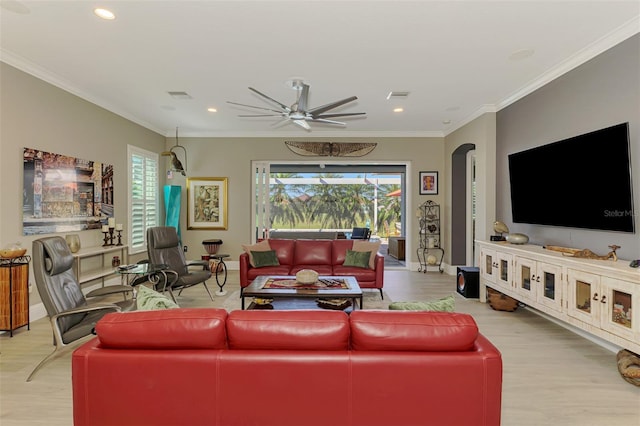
(397, 94)
(180, 95)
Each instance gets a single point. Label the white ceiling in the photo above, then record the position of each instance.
(452, 56)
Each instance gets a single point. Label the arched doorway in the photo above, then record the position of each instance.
(463, 205)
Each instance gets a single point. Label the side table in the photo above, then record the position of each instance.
(218, 267)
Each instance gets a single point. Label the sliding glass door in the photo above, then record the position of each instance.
(336, 197)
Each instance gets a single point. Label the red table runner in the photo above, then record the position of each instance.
(318, 285)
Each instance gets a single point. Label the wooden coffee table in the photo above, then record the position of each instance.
(255, 289)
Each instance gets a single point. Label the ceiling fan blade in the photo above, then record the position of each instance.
(280, 104)
(332, 105)
(303, 99)
(324, 120)
(346, 114)
(260, 115)
(280, 123)
(256, 107)
(302, 124)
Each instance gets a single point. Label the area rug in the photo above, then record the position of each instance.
(371, 300)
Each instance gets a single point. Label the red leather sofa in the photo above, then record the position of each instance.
(286, 368)
(326, 257)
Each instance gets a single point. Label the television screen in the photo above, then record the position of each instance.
(580, 182)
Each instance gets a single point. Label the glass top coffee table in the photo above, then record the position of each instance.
(285, 287)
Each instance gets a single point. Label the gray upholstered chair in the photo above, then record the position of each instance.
(164, 248)
(72, 318)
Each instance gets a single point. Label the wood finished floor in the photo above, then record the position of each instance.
(551, 376)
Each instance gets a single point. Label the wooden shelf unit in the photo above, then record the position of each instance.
(94, 263)
(397, 247)
(601, 297)
(14, 293)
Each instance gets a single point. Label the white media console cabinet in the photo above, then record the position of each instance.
(601, 297)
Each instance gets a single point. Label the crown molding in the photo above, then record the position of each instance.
(601, 45)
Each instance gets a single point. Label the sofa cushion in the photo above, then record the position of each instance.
(288, 330)
(446, 304)
(312, 252)
(412, 331)
(265, 258)
(370, 246)
(149, 300)
(360, 274)
(339, 251)
(284, 250)
(261, 246)
(182, 328)
(358, 259)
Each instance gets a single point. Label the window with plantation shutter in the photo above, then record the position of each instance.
(143, 196)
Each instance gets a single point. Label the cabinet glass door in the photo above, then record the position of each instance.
(525, 278)
(584, 296)
(621, 304)
(504, 261)
(549, 280)
(486, 265)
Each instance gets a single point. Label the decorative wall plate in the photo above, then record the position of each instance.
(331, 149)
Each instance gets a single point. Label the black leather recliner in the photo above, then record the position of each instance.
(164, 248)
(72, 318)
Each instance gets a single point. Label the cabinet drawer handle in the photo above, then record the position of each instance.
(595, 296)
(604, 298)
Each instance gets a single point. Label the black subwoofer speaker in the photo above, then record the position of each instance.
(469, 281)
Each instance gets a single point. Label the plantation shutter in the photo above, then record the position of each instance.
(260, 201)
(143, 201)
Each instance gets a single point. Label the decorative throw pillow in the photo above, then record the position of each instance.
(261, 246)
(265, 258)
(371, 246)
(150, 300)
(359, 259)
(446, 304)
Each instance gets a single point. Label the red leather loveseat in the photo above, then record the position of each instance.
(202, 367)
(326, 257)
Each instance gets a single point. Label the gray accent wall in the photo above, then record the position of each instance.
(602, 92)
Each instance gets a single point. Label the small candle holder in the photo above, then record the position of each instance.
(106, 238)
(119, 231)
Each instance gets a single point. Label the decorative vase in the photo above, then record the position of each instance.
(306, 276)
(517, 238)
(73, 241)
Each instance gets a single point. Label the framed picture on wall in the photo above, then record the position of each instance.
(207, 203)
(428, 183)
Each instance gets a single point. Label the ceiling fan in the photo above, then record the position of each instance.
(298, 113)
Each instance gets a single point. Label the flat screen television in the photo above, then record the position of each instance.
(580, 182)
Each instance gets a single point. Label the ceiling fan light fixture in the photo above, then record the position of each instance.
(299, 113)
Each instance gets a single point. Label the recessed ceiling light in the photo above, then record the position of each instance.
(446, 122)
(104, 14)
(398, 109)
(212, 110)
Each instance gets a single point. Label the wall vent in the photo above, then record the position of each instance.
(180, 95)
(397, 94)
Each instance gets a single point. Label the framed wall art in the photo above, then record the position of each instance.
(61, 193)
(428, 183)
(207, 203)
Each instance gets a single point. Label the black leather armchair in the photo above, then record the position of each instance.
(164, 248)
(72, 318)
